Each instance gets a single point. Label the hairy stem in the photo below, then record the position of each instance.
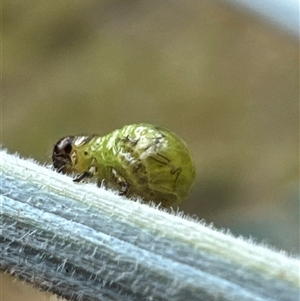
(86, 243)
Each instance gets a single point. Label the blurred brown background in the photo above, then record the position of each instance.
(227, 84)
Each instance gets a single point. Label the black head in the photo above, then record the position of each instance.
(61, 154)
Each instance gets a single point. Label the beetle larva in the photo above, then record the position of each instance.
(138, 160)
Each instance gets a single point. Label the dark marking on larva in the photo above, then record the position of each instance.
(162, 160)
(176, 171)
(137, 167)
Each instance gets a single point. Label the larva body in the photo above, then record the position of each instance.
(138, 160)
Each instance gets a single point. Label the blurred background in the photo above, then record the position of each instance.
(224, 80)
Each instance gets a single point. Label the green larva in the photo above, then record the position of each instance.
(138, 160)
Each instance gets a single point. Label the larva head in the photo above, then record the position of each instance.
(72, 154)
(61, 155)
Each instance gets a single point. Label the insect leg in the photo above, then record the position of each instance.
(86, 174)
(82, 176)
(124, 186)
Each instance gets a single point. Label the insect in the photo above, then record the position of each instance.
(138, 160)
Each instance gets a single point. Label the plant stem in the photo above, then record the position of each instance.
(87, 243)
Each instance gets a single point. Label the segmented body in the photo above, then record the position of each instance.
(139, 160)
